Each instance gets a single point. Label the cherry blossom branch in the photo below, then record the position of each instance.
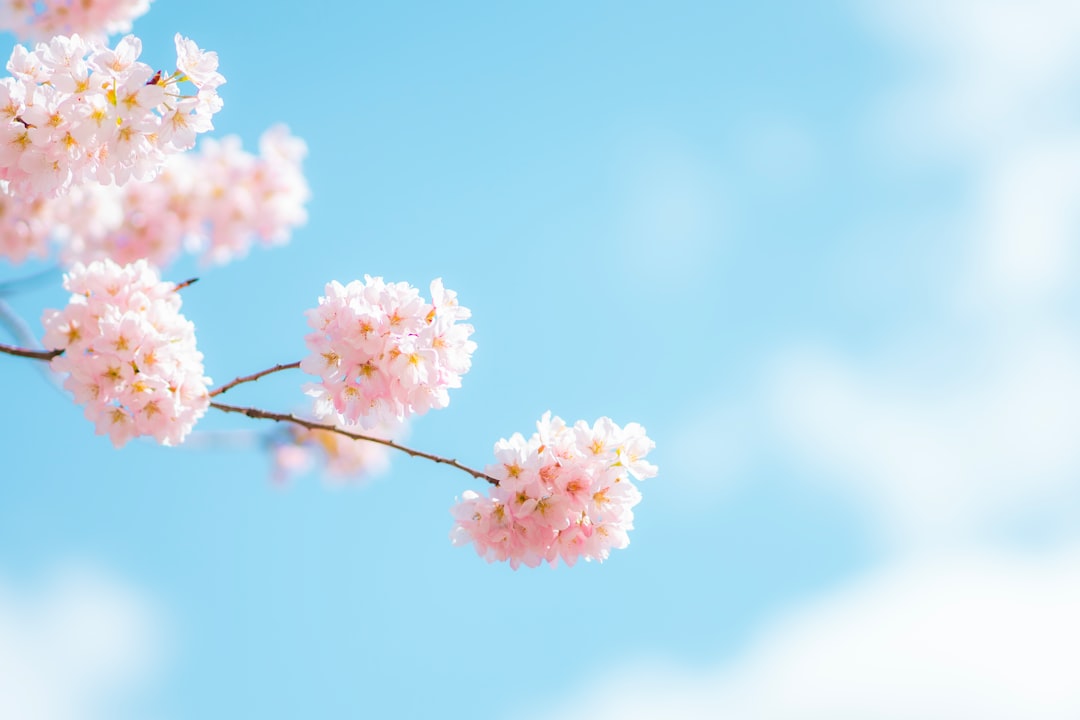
(21, 332)
(32, 354)
(281, 417)
(252, 378)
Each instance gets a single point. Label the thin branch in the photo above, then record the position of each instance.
(32, 354)
(252, 378)
(186, 283)
(280, 417)
(21, 332)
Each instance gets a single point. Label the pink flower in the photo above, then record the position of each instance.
(217, 201)
(25, 226)
(342, 458)
(289, 459)
(200, 66)
(566, 492)
(383, 353)
(129, 353)
(77, 112)
(46, 18)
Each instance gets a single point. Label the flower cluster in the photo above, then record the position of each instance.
(26, 224)
(92, 145)
(75, 111)
(342, 458)
(566, 492)
(130, 353)
(90, 18)
(384, 353)
(216, 201)
(238, 196)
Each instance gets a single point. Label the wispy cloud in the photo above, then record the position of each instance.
(74, 648)
(989, 92)
(966, 422)
(979, 73)
(947, 450)
(950, 427)
(964, 636)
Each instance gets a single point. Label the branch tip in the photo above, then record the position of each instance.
(258, 414)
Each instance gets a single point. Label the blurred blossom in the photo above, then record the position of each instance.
(295, 450)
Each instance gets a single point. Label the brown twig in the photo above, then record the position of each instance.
(252, 378)
(32, 354)
(22, 334)
(186, 283)
(281, 417)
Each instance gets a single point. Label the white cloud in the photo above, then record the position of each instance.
(992, 83)
(983, 637)
(969, 422)
(942, 450)
(74, 648)
(1024, 223)
(982, 70)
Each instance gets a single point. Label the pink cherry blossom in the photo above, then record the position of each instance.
(75, 111)
(566, 492)
(129, 354)
(26, 224)
(289, 459)
(42, 19)
(383, 353)
(216, 201)
(341, 458)
(198, 65)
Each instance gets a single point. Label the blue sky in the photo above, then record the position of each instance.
(823, 252)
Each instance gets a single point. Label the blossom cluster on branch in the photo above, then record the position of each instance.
(383, 353)
(92, 145)
(76, 111)
(129, 353)
(566, 492)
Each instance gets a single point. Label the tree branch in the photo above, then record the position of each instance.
(21, 332)
(32, 354)
(252, 378)
(280, 417)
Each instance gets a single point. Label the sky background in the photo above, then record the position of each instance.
(824, 252)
